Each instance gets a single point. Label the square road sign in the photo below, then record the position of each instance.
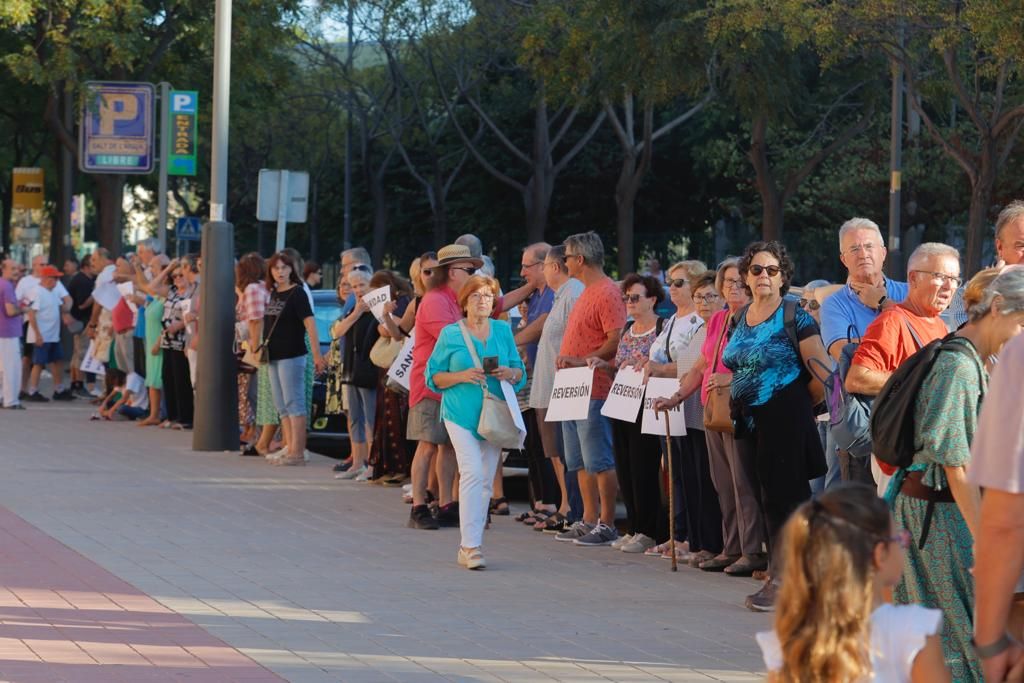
(117, 130)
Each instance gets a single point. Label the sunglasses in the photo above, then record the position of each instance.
(678, 284)
(427, 271)
(632, 298)
(811, 304)
(772, 271)
(565, 259)
(465, 269)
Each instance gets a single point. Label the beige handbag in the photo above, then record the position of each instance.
(717, 412)
(384, 352)
(496, 425)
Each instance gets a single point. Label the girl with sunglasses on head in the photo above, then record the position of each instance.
(839, 554)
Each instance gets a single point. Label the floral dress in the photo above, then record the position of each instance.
(938, 575)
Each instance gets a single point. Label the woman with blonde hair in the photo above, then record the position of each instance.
(839, 554)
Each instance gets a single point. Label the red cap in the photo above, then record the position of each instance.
(49, 271)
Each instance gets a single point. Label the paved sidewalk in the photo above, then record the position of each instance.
(319, 580)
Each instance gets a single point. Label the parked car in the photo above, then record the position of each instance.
(328, 434)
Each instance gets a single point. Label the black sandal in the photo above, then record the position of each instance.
(499, 507)
(250, 450)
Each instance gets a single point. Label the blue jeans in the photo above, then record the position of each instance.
(587, 444)
(832, 476)
(361, 405)
(288, 386)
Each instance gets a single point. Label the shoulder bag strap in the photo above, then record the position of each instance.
(668, 339)
(277, 319)
(718, 345)
(470, 345)
(913, 333)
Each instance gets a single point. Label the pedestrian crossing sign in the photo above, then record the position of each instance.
(188, 228)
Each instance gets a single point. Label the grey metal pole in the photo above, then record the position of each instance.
(894, 260)
(165, 146)
(216, 407)
(283, 196)
(67, 170)
(347, 234)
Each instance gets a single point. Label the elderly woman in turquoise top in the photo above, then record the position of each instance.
(452, 373)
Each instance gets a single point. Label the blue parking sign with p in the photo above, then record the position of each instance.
(117, 131)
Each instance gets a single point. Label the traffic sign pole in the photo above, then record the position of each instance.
(161, 234)
(282, 209)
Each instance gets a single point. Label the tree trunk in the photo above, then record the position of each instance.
(981, 201)
(438, 208)
(771, 199)
(626, 190)
(109, 196)
(536, 201)
(380, 217)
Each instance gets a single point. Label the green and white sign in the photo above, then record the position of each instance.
(184, 110)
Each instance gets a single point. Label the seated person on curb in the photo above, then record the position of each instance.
(898, 332)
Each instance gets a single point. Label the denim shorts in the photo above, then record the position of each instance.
(46, 353)
(361, 405)
(288, 386)
(587, 444)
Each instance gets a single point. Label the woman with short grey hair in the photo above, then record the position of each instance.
(933, 498)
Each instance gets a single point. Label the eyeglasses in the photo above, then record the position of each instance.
(810, 303)
(733, 282)
(465, 269)
(707, 298)
(858, 248)
(531, 265)
(941, 277)
(678, 284)
(481, 296)
(902, 537)
(772, 271)
(632, 298)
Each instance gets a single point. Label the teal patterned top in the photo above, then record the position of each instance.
(946, 414)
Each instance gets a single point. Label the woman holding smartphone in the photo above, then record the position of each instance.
(453, 371)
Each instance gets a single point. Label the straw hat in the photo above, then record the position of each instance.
(454, 253)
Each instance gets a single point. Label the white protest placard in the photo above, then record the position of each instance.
(107, 295)
(654, 423)
(401, 369)
(376, 300)
(90, 363)
(513, 407)
(570, 395)
(127, 289)
(626, 395)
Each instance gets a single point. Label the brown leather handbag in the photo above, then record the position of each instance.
(717, 412)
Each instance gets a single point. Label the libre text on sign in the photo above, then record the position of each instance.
(184, 110)
(117, 129)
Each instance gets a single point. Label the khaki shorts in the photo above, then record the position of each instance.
(124, 352)
(425, 423)
(80, 343)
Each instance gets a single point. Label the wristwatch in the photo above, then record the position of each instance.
(996, 648)
(881, 301)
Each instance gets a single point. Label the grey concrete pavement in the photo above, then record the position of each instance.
(319, 580)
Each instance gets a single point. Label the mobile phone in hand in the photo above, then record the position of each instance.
(490, 364)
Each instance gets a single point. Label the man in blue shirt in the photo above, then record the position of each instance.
(848, 312)
(539, 304)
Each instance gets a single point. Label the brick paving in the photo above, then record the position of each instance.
(198, 564)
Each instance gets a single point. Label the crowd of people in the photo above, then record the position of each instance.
(765, 480)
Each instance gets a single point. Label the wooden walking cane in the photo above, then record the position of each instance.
(671, 494)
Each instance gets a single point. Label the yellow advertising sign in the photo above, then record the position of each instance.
(28, 188)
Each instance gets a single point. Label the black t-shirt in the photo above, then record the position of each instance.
(287, 336)
(80, 289)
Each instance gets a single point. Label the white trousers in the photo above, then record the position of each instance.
(10, 369)
(478, 461)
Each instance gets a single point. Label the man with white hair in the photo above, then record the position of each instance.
(900, 331)
(1010, 234)
(849, 311)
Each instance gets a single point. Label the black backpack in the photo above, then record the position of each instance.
(892, 416)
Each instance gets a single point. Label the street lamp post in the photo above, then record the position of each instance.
(216, 408)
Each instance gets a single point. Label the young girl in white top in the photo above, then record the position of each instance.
(839, 553)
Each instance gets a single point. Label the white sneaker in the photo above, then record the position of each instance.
(351, 473)
(307, 456)
(278, 454)
(623, 540)
(365, 475)
(638, 544)
(407, 487)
